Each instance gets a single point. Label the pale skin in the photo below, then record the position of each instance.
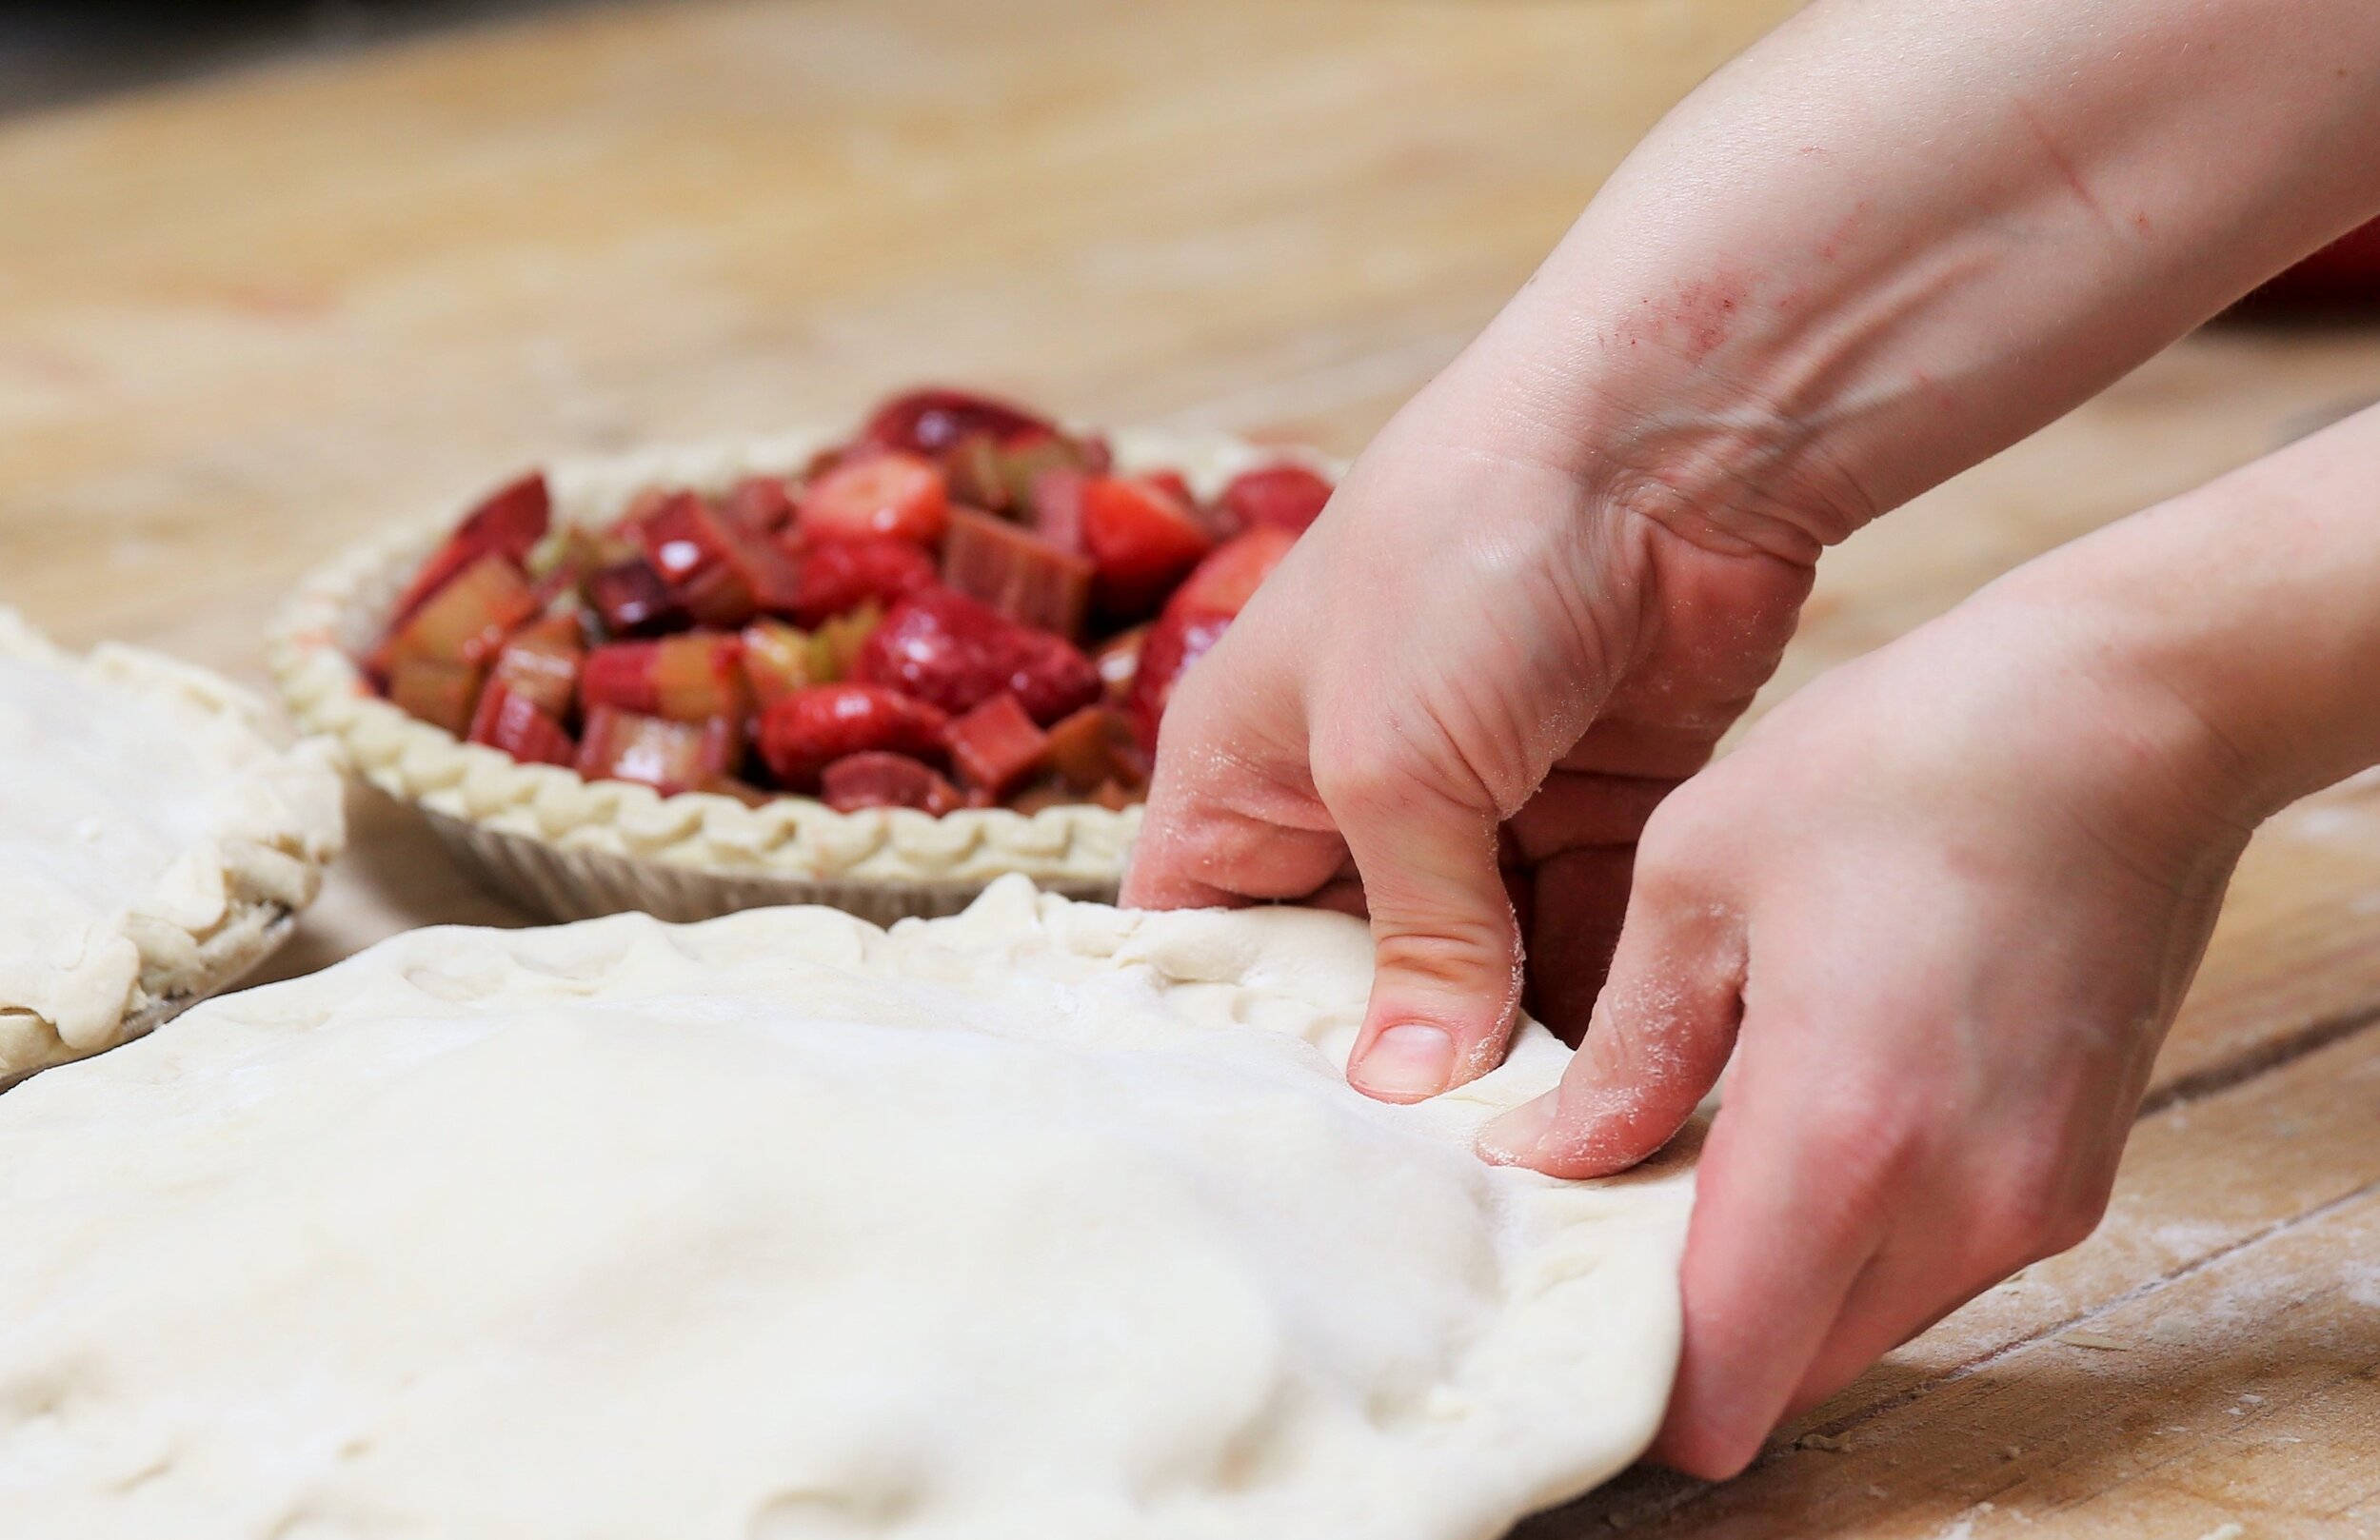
(1941, 906)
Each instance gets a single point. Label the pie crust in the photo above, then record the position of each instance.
(570, 847)
(1048, 1219)
(155, 840)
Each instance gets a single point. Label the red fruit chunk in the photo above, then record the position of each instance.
(1016, 572)
(1056, 505)
(513, 723)
(716, 572)
(929, 422)
(1277, 497)
(692, 677)
(1142, 537)
(804, 732)
(876, 779)
(839, 575)
(995, 745)
(507, 523)
(758, 505)
(629, 598)
(1097, 746)
(1199, 614)
(669, 757)
(438, 691)
(944, 647)
(468, 619)
(1172, 482)
(889, 493)
(1118, 663)
(540, 664)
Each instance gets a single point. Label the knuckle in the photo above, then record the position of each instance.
(1460, 952)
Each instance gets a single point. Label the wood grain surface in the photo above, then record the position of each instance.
(245, 321)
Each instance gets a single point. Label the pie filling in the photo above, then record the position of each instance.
(963, 606)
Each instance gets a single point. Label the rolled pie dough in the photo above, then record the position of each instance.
(1044, 1222)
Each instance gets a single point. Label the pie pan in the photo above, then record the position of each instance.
(566, 847)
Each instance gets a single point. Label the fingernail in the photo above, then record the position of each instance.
(1407, 1063)
(1514, 1137)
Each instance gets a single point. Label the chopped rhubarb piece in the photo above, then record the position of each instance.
(804, 732)
(1277, 497)
(1142, 537)
(1115, 795)
(888, 493)
(779, 660)
(667, 755)
(1056, 504)
(944, 647)
(877, 779)
(508, 523)
(1094, 747)
(629, 598)
(929, 422)
(1118, 663)
(1025, 459)
(839, 575)
(1199, 614)
(842, 640)
(439, 691)
(758, 505)
(973, 467)
(540, 664)
(468, 619)
(1016, 572)
(692, 677)
(716, 572)
(995, 745)
(512, 722)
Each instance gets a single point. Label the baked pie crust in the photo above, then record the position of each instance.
(569, 847)
(1048, 1219)
(154, 842)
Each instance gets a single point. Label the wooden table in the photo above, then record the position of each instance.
(243, 321)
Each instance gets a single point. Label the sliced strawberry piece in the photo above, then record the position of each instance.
(839, 575)
(956, 652)
(540, 664)
(669, 757)
(1118, 663)
(804, 732)
(1170, 482)
(467, 619)
(507, 523)
(1199, 614)
(779, 660)
(716, 572)
(995, 745)
(929, 422)
(758, 505)
(892, 493)
(1056, 507)
(1278, 497)
(630, 599)
(1142, 536)
(513, 723)
(1095, 746)
(876, 779)
(438, 691)
(1016, 572)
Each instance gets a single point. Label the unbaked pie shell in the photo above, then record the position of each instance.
(565, 847)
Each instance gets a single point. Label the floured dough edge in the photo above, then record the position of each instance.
(270, 874)
(336, 611)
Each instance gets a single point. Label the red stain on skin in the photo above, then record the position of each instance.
(1833, 245)
(1699, 316)
(2140, 223)
(2065, 165)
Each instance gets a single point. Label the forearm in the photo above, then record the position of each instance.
(1896, 237)
(2243, 612)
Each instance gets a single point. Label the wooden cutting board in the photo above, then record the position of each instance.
(243, 321)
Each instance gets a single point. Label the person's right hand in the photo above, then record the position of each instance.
(1480, 649)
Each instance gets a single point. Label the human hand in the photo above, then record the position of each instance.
(1941, 907)
(1478, 649)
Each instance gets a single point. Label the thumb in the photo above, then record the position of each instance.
(1447, 981)
(1660, 1033)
